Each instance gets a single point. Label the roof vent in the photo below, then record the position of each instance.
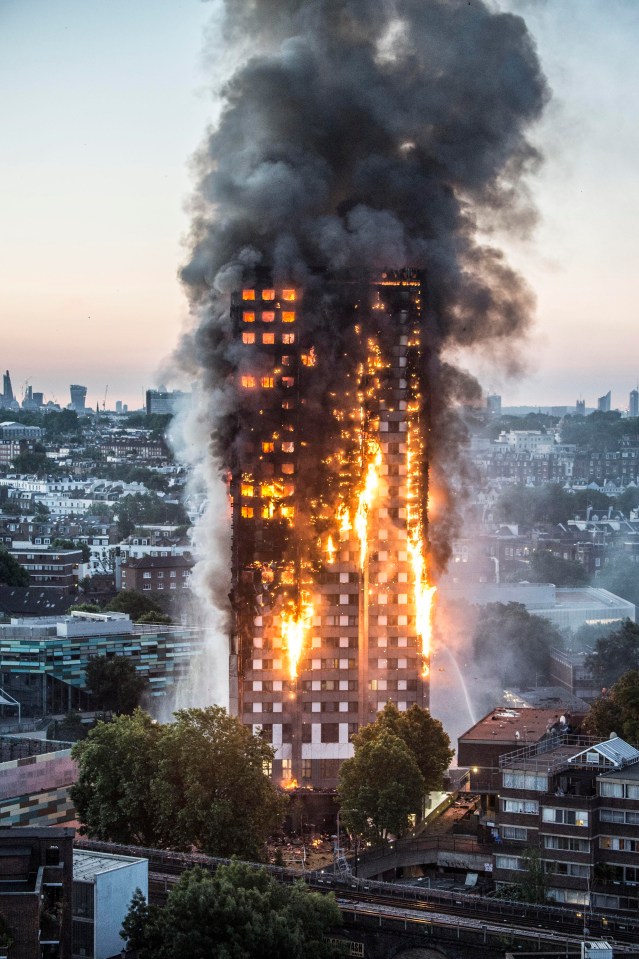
(612, 736)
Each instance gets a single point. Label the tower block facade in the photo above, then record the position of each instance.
(330, 593)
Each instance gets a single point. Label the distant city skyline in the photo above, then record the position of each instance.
(108, 104)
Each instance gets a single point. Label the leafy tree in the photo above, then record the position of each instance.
(614, 654)
(84, 548)
(147, 508)
(617, 710)
(85, 608)
(134, 603)
(35, 462)
(628, 500)
(159, 619)
(198, 781)
(116, 765)
(621, 578)
(424, 736)
(533, 884)
(11, 572)
(238, 913)
(210, 788)
(64, 423)
(114, 683)
(380, 787)
(545, 567)
(70, 729)
(514, 644)
(540, 504)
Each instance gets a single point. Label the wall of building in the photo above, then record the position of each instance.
(113, 893)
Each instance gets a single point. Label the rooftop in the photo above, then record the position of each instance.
(516, 725)
(87, 864)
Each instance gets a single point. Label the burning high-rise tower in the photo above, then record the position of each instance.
(330, 592)
(351, 138)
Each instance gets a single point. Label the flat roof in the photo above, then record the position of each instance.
(502, 724)
(88, 864)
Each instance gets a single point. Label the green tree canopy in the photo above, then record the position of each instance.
(380, 787)
(148, 508)
(545, 567)
(615, 654)
(114, 683)
(237, 913)
(11, 572)
(424, 736)
(35, 462)
(621, 578)
(84, 548)
(135, 604)
(197, 781)
(210, 788)
(116, 765)
(539, 504)
(617, 711)
(514, 644)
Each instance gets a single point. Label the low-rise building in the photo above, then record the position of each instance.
(36, 873)
(103, 886)
(575, 802)
(49, 568)
(43, 661)
(157, 573)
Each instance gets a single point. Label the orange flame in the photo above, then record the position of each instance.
(424, 593)
(330, 550)
(344, 519)
(366, 498)
(294, 630)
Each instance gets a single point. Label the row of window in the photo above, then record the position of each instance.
(268, 339)
(268, 316)
(160, 586)
(160, 574)
(289, 296)
(552, 867)
(550, 814)
(614, 790)
(625, 816)
(266, 382)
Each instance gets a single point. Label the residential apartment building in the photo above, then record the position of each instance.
(36, 873)
(325, 622)
(575, 801)
(49, 568)
(157, 573)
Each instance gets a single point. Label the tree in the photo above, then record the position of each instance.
(614, 654)
(381, 787)
(114, 684)
(36, 462)
(424, 736)
(514, 644)
(529, 505)
(533, 884)
(159, 619)
(69, 729)
(84, 548)
(11, 572)
(210, 788)
(617, 710)
(545, 567)
(116, 765)
(134, 603)
(621, 578)
(239, 912)
(198, 781)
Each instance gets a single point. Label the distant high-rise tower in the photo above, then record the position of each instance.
(78, 397)
(603, 403)
(7, 389)
(493, 404)
(633, 403)
(580, 408)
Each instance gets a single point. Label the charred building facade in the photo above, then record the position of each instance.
(328, 488)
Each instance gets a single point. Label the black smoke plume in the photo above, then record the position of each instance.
(359, 135)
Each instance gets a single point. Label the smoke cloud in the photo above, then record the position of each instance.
(355, 136)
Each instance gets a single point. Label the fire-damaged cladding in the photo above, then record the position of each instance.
(328, 482)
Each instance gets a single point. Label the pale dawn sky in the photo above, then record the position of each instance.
(103, 106)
